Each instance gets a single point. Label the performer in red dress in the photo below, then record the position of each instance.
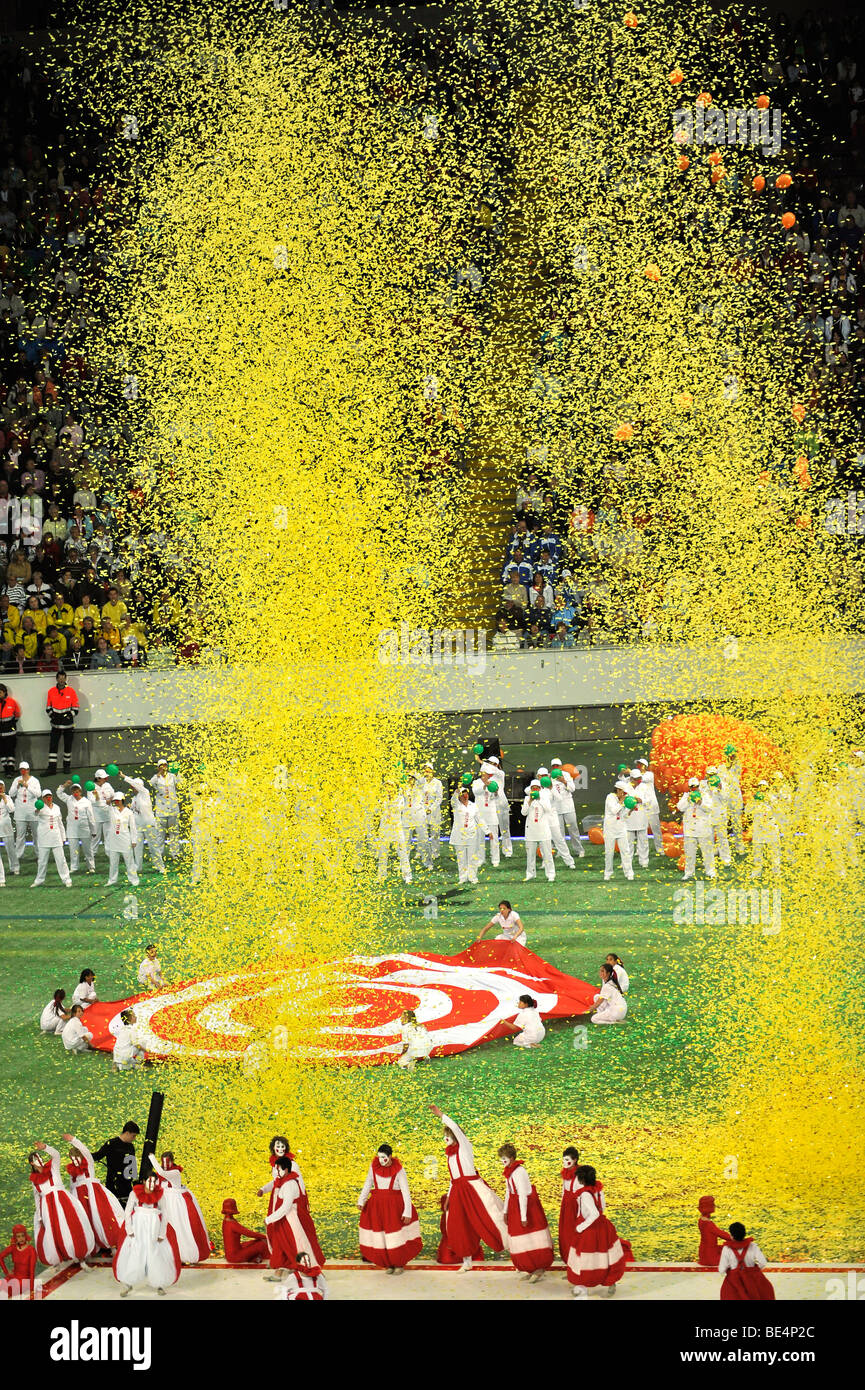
(596, 1260)
(568, 1208)
(711, 1236)
(237, 1250)
(304, 1284)
(389, 1227)
(61, 1229)
(530, 1244)
(474, 1213)
(444, 1254)
(23, 1258)
(279, 1148)
(182, 1210)
(286, 1230)
(742, 1263)
(104, 1212)
(147, 1253)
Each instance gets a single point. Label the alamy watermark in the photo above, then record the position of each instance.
(719, 907)
(424, 646)
(713, 125)
(845, 516)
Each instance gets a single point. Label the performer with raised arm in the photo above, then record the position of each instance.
(182, 1210)
(103, 1209)
(61, 1230)
(474, 1212)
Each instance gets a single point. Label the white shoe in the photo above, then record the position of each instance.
(580, 1292)
(67, 883)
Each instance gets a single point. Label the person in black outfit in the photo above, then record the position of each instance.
(119, 1155)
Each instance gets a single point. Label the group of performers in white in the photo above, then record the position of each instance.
(92, 818)
(161, 1228)
(68, 1021)
(712, 809)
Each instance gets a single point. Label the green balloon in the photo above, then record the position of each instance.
(714, 781)
(467, 779)
(90, 786)
(556, 772)
(759, 796)
(546, 781)
(478, 749)
(75, 779)
(112, 769)
(623, 767)
(630, 802)
(535, 796)
(492, 786)
(729, 750)
(174, 769)
(39, 803)
(693, 796)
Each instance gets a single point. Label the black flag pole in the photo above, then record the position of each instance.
(151, 1134)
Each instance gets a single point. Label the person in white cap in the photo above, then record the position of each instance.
(122, 839)
(391, 834)
(616, 813)
(50, 836)
(718, 813)
(731, 777)
(504, 809)
(80, 825)
(433, 792)
(650, 802)
(101, 799)
(638, 822)
(464, 836)
(538, 835)
(24, 792)
(563, 800)
(556, 837)
(696, 807)
(478, 788)
(486, 792)
(7, 832)
(141, 806)
(765, 831)
(165, 784)
(414, 819)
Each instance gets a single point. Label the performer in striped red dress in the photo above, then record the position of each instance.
(279, 1148)
(473, 1211)
(103, 1209)
(183, 1211)
(61, 1228)
(389, 1227)
(596, 1260)
(742, 1263)
(568, 1208)
(530, 1244)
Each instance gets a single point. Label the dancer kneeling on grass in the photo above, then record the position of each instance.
(510, 927)
(416, 1040)
(127, 1054)
(596, 1259)
(610, 1005)
(474, 1213)
(389, 1227)
(104, 1212)
(54, 1017)
(183, 1211)
(528, 1020)
(530, 1244)
(147, 1253)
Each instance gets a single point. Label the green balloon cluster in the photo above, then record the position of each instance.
(546, 781)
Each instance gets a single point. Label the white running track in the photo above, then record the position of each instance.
(424, 1282)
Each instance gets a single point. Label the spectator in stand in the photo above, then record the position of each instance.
(10, 714)
(540, 613)
(88, 636)
(104, 658)
(61, 706)
(29, 637)
(505, 639)
(562, 639)
(109, 632)
(133, 643)
(115, 609)
(36, 614)
(87, 609)
(54, 527)
(84, 498)
(18, 570)
(534, 637)
(38, 589)
(61, 613)
(47, 661)
(57, 640)
(76, 658)
(514, 591)
(530, 497)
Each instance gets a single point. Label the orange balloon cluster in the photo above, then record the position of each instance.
(801, 472)
(687, 744)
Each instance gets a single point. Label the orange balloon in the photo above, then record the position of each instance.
(631, 21)
(799, 413)
(623, 433)
(653, 273)
(570, 769)
(718, 174)
(783, 181)
(762, 103)
(801, 465)
(677, 76)
(681, 864)
(758, 184)
(596, 835)
(684, 162)
(684, 400)
(788, 221)
(714, 158)
(704, 99)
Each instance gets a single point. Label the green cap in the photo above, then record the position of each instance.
(546, 781)
(630, 802)
(478, 748)
(90, 786)
(39, 803)
(556, 772)
(492, 786)
(693, 796)
(467, 779)
(112, 769)
(75, 779)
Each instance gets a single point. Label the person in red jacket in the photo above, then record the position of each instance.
(61, 706)
(237, 1250)
(742, 1264)
(10, 713)
(23, 1258)
(709, 1253)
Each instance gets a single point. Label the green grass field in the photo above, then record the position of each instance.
(583, 1084)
